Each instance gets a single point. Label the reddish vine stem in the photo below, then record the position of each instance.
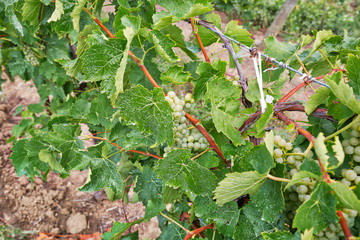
(199, 230)
(344, 225)
(134, 151)
(195, 122)
(199, 40)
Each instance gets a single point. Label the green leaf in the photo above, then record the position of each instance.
(299, 176)
(154, 207)
(119, 77)
(176, 75)
(279, 50)
(251, 225)
(64, 139)
(59, 10)
(237, 184)
(269, 141)
(149, 111)
(163, 46)
(225, 105)
(310, 165)
(345, 94)
(353, 71)
(269, 199)
(339, 153)
(264, 120)
(207, 73)
(175, 34)
(318, 212)
(75, 14)
(51, 157)
(80, 109)
(148, 186)
(20, 160)
(308, 234)
(225, 217)
(135, 139)
(119, 228)
(281, 236)
(31, 11)
(207, 36)
(321, 151)
(234, 30)
(321, 37)
(103, 172)
(13, 19)
(171, 195)
(101, 61)
(177, 170)
(260, 159)
(321, 96)
(345, 196)
(101, 112)
(208, 160)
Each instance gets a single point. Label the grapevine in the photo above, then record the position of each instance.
(194, 143)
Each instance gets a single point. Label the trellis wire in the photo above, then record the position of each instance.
(273, 60)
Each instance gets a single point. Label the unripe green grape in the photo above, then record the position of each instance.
(190, 145)
(236, 83)
(293, 197)
(350, 212)
(306, 179)
(277, 138)
(190, 139)
(188, 97)
(293, 172)
(184, 140)
(279, 160)
(356, 158)
(288, 146)
(355, 133)
(182, 113)
(298, 157)
(297, 150)
(184, 132)
(302, 189)
(178, 108)
(298, 165)
(357, 180)
(197, 146)
(171, 94)
(357, 169)
(192, 100)
(290, 159)
(177, 115)
(310, 155)
(320, 234)
(236, 77)
(354, 141)
(345, 143)
(184, 145)
(177, 101)
(188, 105)
(350, 175)
(346, 182)
(203, 146)
(197, 136)
(183, 119)
(202, 140)
(333, 227)
(357, 150)
(330, 235)
(282, 143)
(302, 197)
(169, 100)
(278, 153)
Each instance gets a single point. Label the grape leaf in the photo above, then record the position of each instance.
(263, 121)
(176, 75)
(225, 217)
(103, 172)
(279, 50)
(31, 11)
(64, 139)
(269, 199)
(207, 36)
(321, 95)
(59, 10)
(51, 157)
(260, 159)
(345, 94)
(80, 109)
(75, 14)
(20, 160)
(9, 12)
(352, 68)
(321, 151)
(251, 225)
(299, 176)
(101, 112)
(234, 30)
(101, 61)
(148, 186)
(225, 105)
(237, 184)
(177, 170)
(321, 37)
(163, 46)
(175, 34)
(135, 139)
(150, 112)
(318, 212)
(269, 141)
(119, 228)
(281, 236)
(310, 165)
(345, 196)
(208, 160)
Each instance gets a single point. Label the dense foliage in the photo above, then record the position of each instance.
(308, 15)
(210, 176)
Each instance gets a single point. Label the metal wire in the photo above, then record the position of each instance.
(273, 60)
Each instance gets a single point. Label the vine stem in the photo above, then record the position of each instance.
(195, 122)
(356, 120)
(278, 179)
(114, 144)
(344, 226)
(301, 63)
(175, 222)
(196, 231)
(195, 31)
(199, 155)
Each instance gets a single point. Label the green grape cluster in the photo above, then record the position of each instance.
(41, 46)
(186, 136)
(30, 55)
(334, 231)
(351, 143)
(234, 80)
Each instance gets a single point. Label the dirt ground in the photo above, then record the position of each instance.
(57, 206)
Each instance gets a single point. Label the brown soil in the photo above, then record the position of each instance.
(56, 205)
